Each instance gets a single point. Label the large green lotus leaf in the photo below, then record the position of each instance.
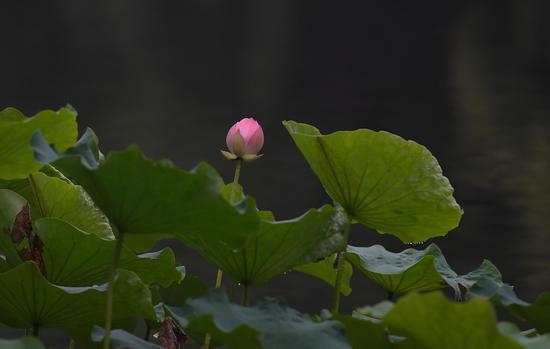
(528, 342)
(151, 200)
(62, 199)
(121, 339)
(27, 299)
(414, 270)
(50, 194)
(268, 325)
(21, 343)
(278, 246)
(16, 156)
(325, 270)
(74, 258)
(431, 321)
(383, 181)
(363, 334)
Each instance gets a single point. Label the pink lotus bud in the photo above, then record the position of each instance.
(245, 139)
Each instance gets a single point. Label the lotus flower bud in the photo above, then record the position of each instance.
(244, 140)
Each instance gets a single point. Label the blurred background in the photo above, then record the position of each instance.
(468, 79)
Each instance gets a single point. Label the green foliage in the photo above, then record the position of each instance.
(4, 266)
(383, 181)
(527, 341)
(325, 270)
(54, 261)
(430, 321)
(364, 334)
(59, 198)
(373, 312)
(10, 205)
(50, 194)
(16, 156)
(74, 258)
(85, 148)
(414, 270)
(268, 325)
(178, 293)
(537, 314)
(28, 299)
(21, 343)
(278, 246)
(121, 339)
(149, 201)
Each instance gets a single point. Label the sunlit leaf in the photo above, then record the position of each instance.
(50, 194)
(268, 325)
(149, 201)
(61, 199)
(27, 299)
(383, 181)
(74, 258)
(16, 156)
(431, 321)
(325, 270)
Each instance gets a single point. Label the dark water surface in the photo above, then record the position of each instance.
(468, 79)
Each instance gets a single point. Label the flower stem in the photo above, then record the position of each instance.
(36, 330)
(247, 292)
(147, 332)
(110, 289)
(232, 199)
(236, 177)
(341, 256)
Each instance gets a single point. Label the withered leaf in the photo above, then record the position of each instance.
(21, 230)
(22, 227)
(37, 247)
(170, 335)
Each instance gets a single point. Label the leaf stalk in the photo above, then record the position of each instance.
(110, 290)
(232, 199)
(341, 258)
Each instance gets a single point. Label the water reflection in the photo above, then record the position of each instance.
(502, 139)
